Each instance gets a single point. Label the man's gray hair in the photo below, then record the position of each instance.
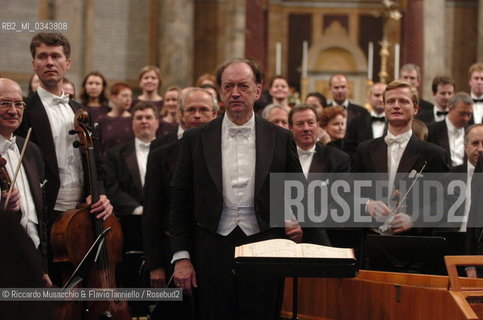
(269, 108)
(459, 97)
(214, 105)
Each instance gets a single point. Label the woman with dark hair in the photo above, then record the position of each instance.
(279, 90)
(333, 120)
(93, 95)
(149, 83)
(115, 128)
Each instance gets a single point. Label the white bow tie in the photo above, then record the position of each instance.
(144, 146)
(61, 100)
(400, 139)
(243, 131)
(305, 153)
(9, 144)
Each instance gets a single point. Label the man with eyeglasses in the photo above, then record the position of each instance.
(25, 201)
(450, 132)
(197, 107)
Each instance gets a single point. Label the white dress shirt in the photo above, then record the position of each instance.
(395, 149)
(180, 132)
(29, 221)
(305, 158)
(456, 138)
(477, 109)
(142, 151)
(377, 126)
(238, 157)
(469, 177)
(69, 161)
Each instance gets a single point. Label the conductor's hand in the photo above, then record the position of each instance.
(378, 210)
(102, 208)
(293, 231)
(13, 202)
(157, 277)
(184, 276)
(401, 222)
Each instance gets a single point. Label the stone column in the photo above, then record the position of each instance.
(234, 37)
(176, 42)
(434, 43)
(480, 32)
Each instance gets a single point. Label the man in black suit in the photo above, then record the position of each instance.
(371, 125)
(399, 151)
(174, 135)
(443, 90)
(449, 133)
(412, 73)
(221, 199)
(473, 149)
(339, 89)
(125, 174)
(25, 201)
(50, 114)
(475, 81)
(198, 107)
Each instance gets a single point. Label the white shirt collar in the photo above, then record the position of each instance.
(47, 96)
(140, 143)
(227, 123)
(404, 136)
(451, 127)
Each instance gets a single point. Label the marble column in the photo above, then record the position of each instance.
(176, 42)
(434, 44)
(235, 22)
(480, 32)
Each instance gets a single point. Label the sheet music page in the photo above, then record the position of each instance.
(269, 248)
(317, 251)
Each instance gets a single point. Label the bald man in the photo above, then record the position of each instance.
(25, 201)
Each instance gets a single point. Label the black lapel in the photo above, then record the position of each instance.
(378, 154)
(132, 166)
(319, 162)
(410, 155)
(211, 141)
(42, 133)
(265, 142)
(444, 138)
(30, 167)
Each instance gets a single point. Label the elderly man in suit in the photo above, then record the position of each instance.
(220, 200)
(449, 133)
(399, 151)
(25, 201)
(197, 107)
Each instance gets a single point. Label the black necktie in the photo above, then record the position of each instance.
(381, 119)
(441, 113)
(478, 100)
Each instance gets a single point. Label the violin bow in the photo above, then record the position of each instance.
(24, 147)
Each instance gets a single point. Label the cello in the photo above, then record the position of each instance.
(73, 233)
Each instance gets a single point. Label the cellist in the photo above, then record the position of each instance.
(25, 200)
(50, 114)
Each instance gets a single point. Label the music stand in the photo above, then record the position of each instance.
(408, 254)
(89, 259)
(296, 268)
